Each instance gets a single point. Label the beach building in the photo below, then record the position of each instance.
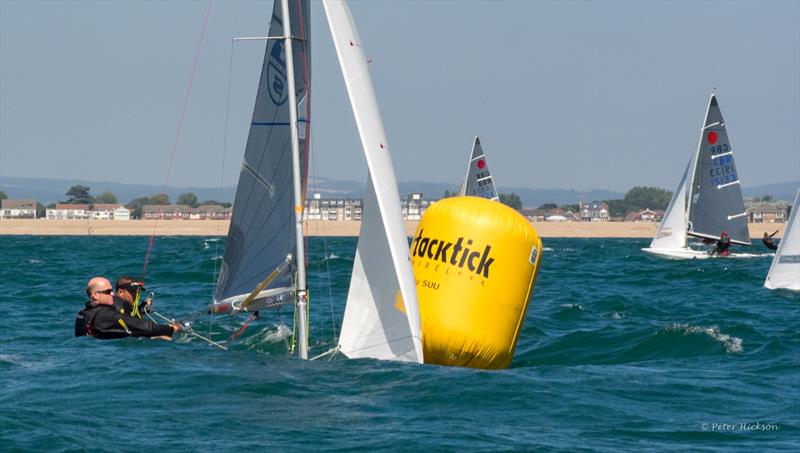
(332, 209)
(414, 205)
(211, 212)
(166, 212)
(68, 211)
(770, 212)
(647, 215)
(104, 211)
(122, 213)
(18, 209)
(596, 211)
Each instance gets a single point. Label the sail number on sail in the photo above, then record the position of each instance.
(723, 171)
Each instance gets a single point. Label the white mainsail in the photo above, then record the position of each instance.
(478, 180)
(784, 273)
(381, 319)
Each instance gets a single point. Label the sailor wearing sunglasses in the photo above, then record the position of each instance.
(101, 319)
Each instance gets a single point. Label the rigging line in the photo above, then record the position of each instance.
(224, 154)
(180, 127)
(320, 224)
(189, 331)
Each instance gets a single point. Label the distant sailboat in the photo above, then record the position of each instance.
(784, 273)
(263, 265)
(478, 180)
(714, 201)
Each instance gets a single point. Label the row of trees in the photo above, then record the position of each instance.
(637, 199)
(82, 195)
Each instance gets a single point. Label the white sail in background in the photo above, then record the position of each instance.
(478, 180)
(381, 319)
(671, 232)
(785, 270)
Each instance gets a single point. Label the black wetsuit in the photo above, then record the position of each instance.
(769, 244)
(103, 322)
(723, 246)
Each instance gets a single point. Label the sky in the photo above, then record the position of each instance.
(567, 95)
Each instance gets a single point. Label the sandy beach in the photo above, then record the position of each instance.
(44, 227)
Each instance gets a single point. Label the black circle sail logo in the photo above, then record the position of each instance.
(276, 73)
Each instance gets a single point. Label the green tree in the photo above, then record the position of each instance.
(3, 195)
(106, 197)
(188, 199)
(136, 206)
(224, 204)
(548, 206)
(161, 199)
(616, 208)
(79, 195)
(41, 211)
(448, 194)
(647, 198)
(571, 207)
(766, 198)
(511, 199)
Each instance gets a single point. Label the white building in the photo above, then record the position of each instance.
(122, 213)
(65, 211)
(18, 209)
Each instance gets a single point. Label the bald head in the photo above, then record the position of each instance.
(100, 291)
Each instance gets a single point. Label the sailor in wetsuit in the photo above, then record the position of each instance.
(723, 245)
(127, 297)
(102, 319)
(767, 240)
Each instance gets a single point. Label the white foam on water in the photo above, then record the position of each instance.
(733, 345)
(283, 332)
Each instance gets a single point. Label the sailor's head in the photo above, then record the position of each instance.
(100, 291)
(724, 234)
(127, 288)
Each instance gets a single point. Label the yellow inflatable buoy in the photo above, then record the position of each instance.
(475, 263)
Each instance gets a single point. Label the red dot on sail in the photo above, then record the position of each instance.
(481, 164)
(712, 137)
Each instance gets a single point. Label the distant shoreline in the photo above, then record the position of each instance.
(42, 227)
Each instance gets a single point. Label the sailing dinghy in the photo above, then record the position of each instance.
(263, 265)
(708, 199)
(478, 180)
(784, 273)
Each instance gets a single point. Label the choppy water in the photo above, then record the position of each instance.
(619, 351)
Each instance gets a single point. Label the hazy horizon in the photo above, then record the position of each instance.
(564, 95)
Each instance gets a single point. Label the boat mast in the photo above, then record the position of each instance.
(694, 167)
(298, 190)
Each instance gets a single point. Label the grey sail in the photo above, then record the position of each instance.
(262, 231)
(716, 202)
(478, 181)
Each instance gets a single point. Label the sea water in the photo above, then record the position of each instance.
(619, 351)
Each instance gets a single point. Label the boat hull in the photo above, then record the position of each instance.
(691, 254)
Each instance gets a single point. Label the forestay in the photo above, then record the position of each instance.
(262, 231)
(478, 180)
(785, 270)
(716, 202)
(381, 319)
